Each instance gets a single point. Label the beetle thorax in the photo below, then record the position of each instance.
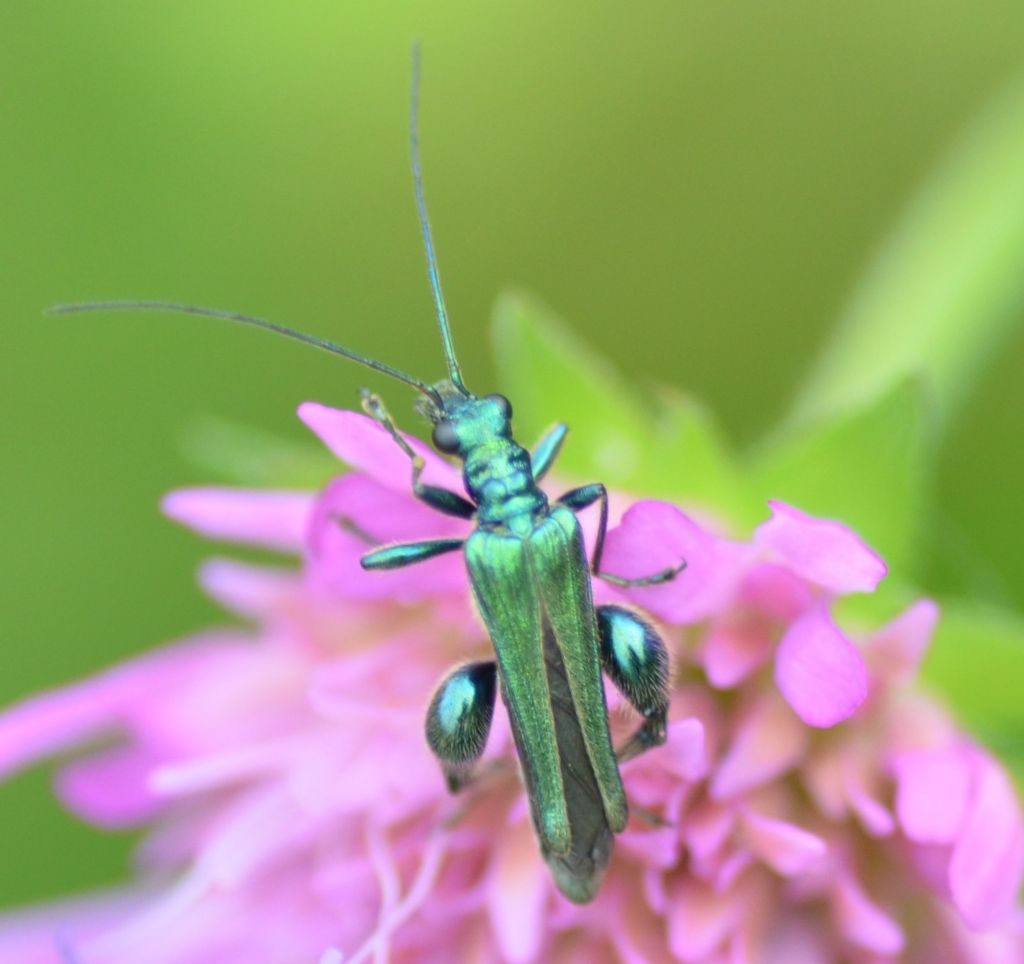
(498, 476)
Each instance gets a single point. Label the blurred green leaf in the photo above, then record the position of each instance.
(948, 284)
(550, 374)
(694, 459)
(866, 468)
(249, 456)
(977, 665)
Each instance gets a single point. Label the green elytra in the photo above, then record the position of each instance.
(531, 580)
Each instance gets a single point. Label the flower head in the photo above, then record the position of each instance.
(809, 804)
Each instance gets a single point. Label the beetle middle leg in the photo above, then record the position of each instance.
(398, 554)
(459, 719)
(635, 658)
(408, 553)
(587, 495)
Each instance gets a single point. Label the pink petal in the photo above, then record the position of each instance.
(257, 829)
(272, 519)
(189, 708)
(767, 743)
(635, 933)
(785, 847)
(388, 517)
(933, 789)
(916, 721)
(110, 790)
(219, 770)
(822, 551)
(654, 536)
(517, 894)
(874, 817)
(931, 864)
(683, 754)
(655, 892)
(369, 676)
(249, 590)
(796, 939)
(954, 940)
(657, 847)
(731, 870)
(388, 777)
(863, 922)
(734, 649)
(819, 671)
(775, 593)
(44, 724)
(30, 935)
(707, 828)
(895, 652)
(699, 920)
(988, 858)
(823, 777)
(363, 444)
(860, 774)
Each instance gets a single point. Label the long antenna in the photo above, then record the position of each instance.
(321, 343)
(454, 372)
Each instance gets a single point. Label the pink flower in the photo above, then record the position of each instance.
(809, 804)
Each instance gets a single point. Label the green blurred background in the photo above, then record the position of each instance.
(695, 186)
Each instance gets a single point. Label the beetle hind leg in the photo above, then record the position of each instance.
(635, 658)
(587, 495)
(459, 720)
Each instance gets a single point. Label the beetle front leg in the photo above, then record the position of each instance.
(408, 553)
(587, 495)
(544, 455)
(635, 658)
(459, 719)
(443, 500)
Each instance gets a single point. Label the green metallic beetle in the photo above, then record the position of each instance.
(531, 581)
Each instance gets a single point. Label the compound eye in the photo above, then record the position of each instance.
(504, 404)
(444, 437)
